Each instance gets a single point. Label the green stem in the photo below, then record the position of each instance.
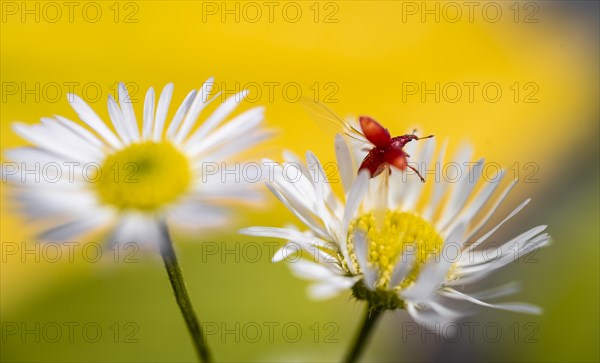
(182, 296)
(360, 341)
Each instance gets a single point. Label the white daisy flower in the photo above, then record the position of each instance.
(394, 243)
(136, 178)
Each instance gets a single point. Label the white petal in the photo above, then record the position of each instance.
(234, 148)
(55, 203)
(331, 287)
(299, 184)
(308, 243)
(220, 187)
(217, 117)
(148, 114)
(161, 111)
(193, 216)
(344, 159)
(236, 129)
(414, 185)
(433, 274)
(66, 135)
(427, 317)
(81, 131)
(138, 228)
(509, 250)
(440, 186)
(309, 270)
(291, 158)
(402, 268)
(323, 191)
(197, 106)
(361, 251)
(515, 307)
(48, 140)
(67, 231)
(520, 247)
(458, 198)
(499, 291)
(493, 209)
(355, 197)
(285, 251)
(117, 118)
(490, 232)
(180, 114)
(30, 155)
(87, 115)
(480, 199)
(299, 210)
(462, 157)
(357, 192)
(129, 119)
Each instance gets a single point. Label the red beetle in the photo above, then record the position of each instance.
(387, 150)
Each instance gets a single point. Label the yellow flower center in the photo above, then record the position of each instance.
(396, 234)
(143, 176)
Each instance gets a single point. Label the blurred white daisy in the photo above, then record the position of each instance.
(134, 178)
(138, 180)
(393, 243)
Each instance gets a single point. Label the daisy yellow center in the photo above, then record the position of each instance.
(143, 176)
(397, 234)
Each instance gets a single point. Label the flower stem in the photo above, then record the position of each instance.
(360, 341)
(181, 295)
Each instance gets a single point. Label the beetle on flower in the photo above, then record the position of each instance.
(390, 242)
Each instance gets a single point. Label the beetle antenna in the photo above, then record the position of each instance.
(425, 137)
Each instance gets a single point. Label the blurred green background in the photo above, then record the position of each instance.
(359, 57)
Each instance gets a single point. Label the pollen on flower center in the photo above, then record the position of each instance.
(143, 176)
(397, 233)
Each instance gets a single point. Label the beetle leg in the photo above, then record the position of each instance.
(416, 171)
